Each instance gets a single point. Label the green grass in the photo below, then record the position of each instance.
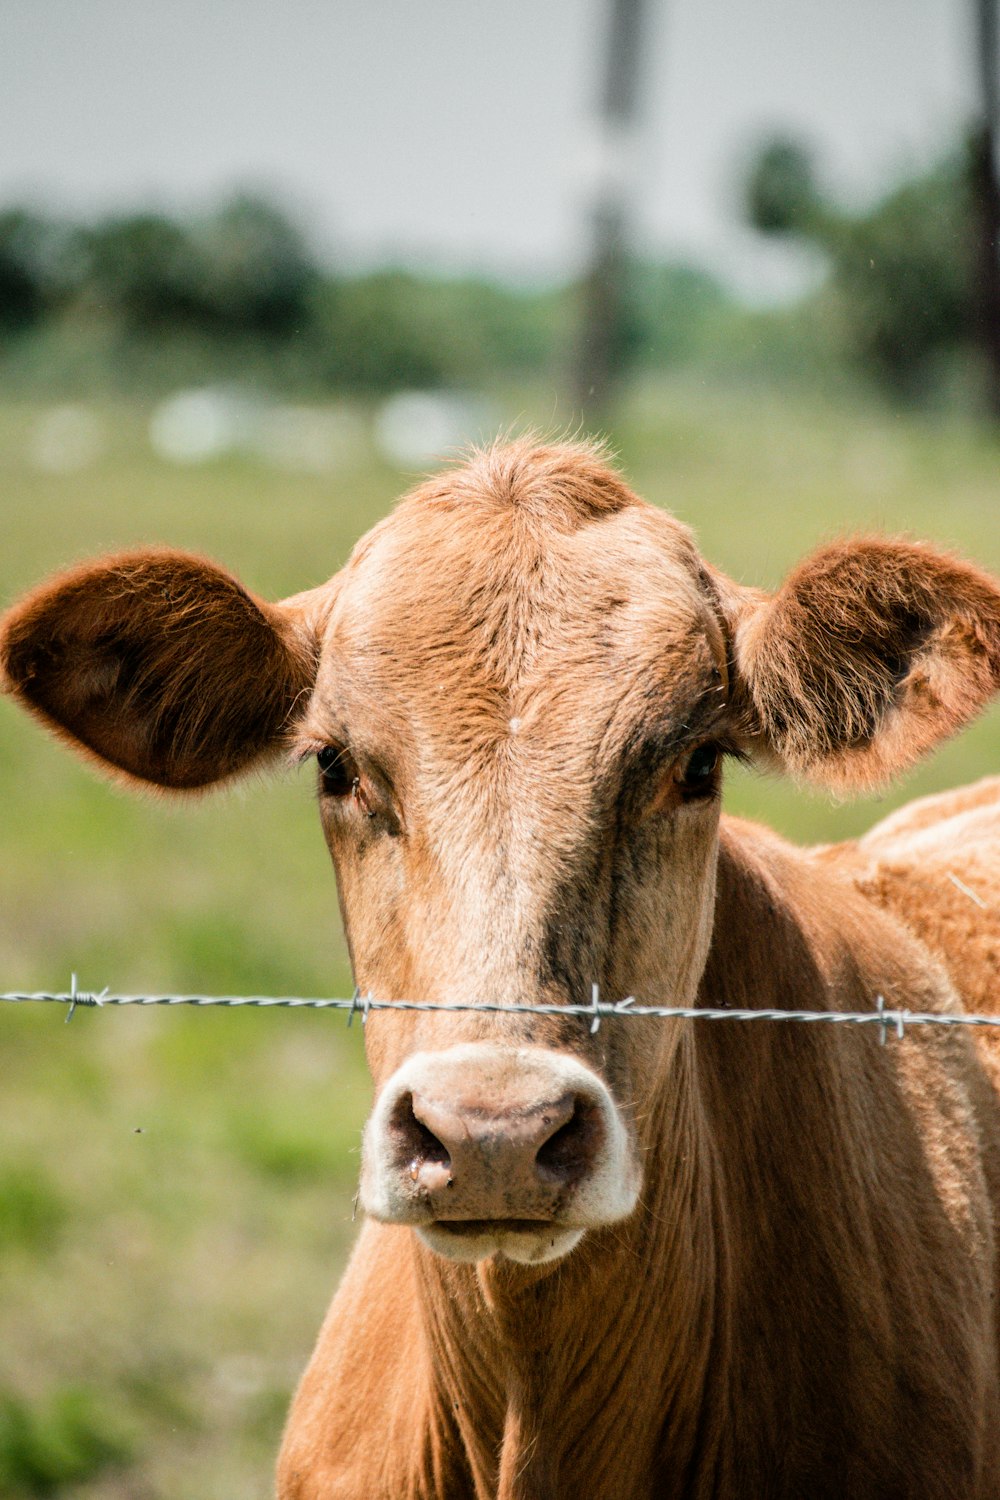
(46, 1449)
(175, 1188)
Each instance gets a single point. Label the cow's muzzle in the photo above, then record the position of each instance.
(487, 1149)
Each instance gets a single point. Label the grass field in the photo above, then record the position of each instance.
(175, 1188)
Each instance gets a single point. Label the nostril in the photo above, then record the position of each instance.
(416, 1148)
(425, 1144)
(569, 1153)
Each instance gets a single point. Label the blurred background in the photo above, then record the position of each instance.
(261, 265)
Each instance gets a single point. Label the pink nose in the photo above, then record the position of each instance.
(485, 1133)
(473, 1162)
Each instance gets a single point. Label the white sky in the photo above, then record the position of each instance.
(455, 131)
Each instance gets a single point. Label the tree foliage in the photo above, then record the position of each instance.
(901, 272)
(243, 270)
(39, 267)
(781, 191)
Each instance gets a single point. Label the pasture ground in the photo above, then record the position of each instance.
(175, 1187)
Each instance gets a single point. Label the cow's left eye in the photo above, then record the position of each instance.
(697, 775)
(337, 770)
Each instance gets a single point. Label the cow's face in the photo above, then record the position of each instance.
(519, 692)
(520, 715)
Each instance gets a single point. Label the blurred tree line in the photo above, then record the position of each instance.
(146, 301)
(147, 296)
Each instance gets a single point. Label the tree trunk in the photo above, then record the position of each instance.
(986, 200)
(601, 347)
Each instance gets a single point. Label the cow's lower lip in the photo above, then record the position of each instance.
(530, 1241)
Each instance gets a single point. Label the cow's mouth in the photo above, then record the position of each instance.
(472, 1227)
(529, 1241)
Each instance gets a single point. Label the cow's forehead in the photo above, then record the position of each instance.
(527, 585)
(494, 567)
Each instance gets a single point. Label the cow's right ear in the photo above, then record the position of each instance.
(160, 666)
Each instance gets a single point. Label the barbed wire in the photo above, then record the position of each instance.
(882, 1017)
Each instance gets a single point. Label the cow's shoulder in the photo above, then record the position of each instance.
(936, 864)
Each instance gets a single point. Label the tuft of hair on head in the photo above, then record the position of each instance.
(566, 482)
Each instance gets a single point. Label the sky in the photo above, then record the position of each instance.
(460, 133)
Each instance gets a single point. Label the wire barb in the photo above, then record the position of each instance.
(880, 1007)
(966, 890)
(81, 997)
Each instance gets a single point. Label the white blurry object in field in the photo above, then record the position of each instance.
(195, 426)
(416, 427)
(199, 425)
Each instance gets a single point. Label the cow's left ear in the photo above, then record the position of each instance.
(870, 653)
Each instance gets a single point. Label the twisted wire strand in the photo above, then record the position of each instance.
(882, 1017)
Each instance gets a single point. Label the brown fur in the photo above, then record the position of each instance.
(161, 665)
(517, 665)
(871, 652)
(934, 865)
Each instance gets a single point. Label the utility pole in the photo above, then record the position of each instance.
(600, 351)
(986, 198)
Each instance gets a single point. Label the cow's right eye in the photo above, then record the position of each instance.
(697, 776)
(338, 772)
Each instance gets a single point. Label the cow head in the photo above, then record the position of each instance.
(519, 692)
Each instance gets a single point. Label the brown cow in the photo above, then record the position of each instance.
(670, 1258)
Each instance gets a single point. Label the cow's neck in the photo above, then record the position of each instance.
(607, 1375)
(582, 1376)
